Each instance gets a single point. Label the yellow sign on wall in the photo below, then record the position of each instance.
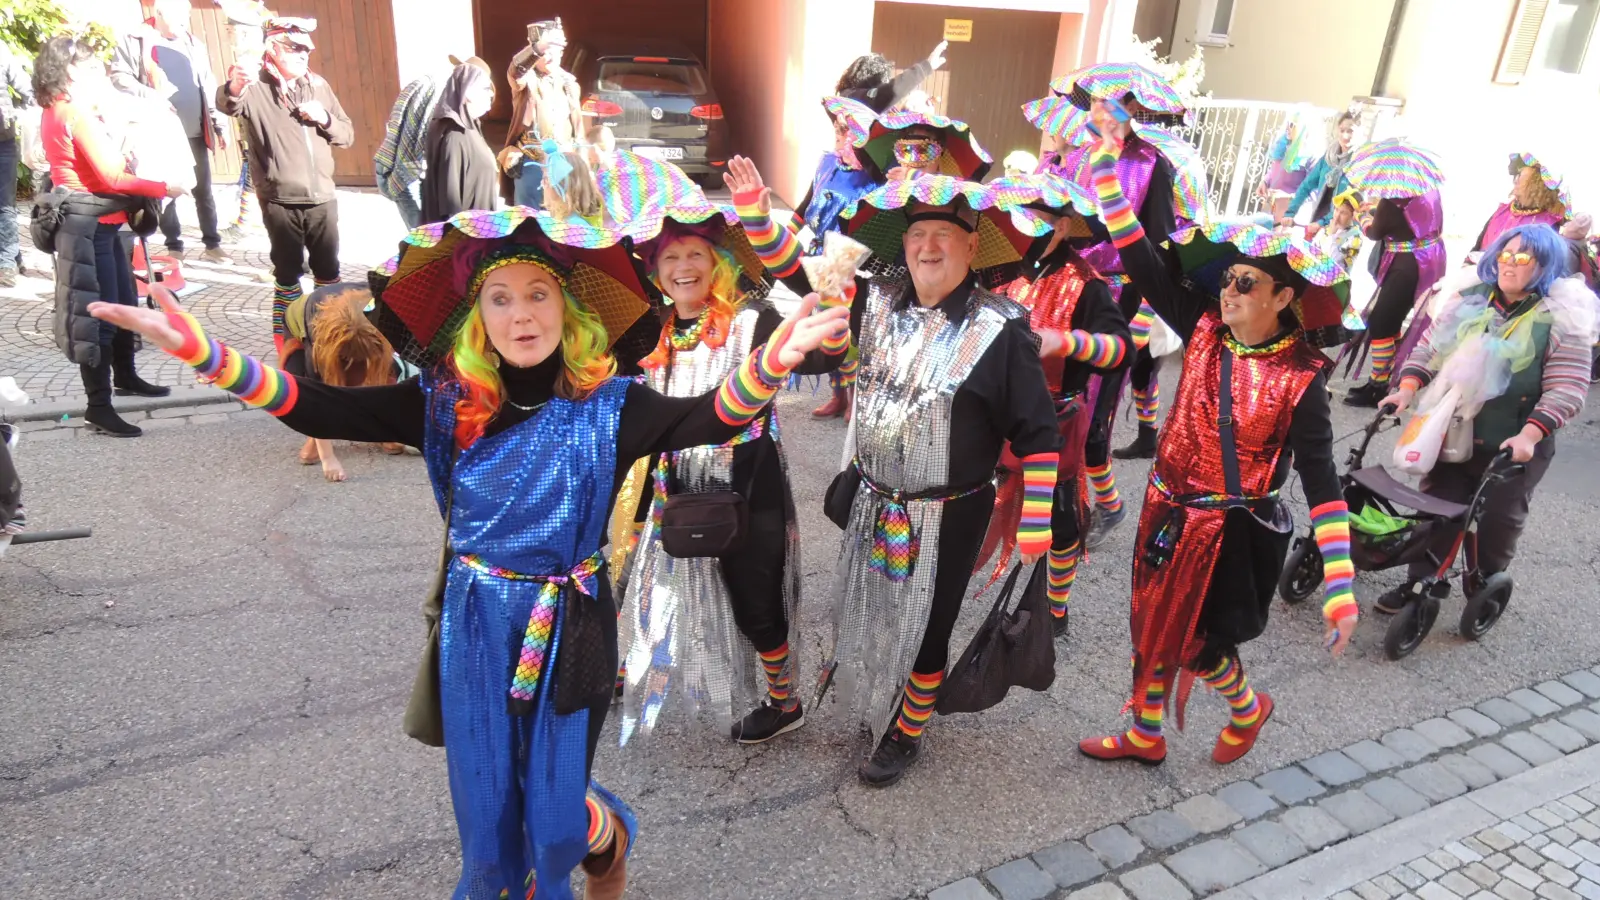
(958, 29)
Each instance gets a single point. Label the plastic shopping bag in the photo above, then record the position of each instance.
(154, 139)
(1418, 448)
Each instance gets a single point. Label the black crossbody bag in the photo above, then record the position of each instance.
(706, 524)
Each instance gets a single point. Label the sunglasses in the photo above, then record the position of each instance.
(1244, 284)
(917, 151)
(1519, 258)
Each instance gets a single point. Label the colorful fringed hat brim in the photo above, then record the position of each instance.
(1189, 197)
(636, 183)
(1117, 81)
(419, 306)
(1550, 179)
(647, 227)
(1205, 251)
(1005, 225)
(1059, 117)
(857, 117)
(1393, 170)
(963, 156)
(1050, 194)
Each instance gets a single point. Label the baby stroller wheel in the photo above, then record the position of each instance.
(1302, 571)
(1409, 626)
(1485, 605)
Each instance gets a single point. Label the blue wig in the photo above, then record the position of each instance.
(1549, 249)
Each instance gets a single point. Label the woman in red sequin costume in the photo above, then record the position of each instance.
(1213, 532)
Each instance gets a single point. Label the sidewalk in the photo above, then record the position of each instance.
(1500, 801)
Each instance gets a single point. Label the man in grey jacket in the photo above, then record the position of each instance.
(293, 121)
(166, 62)
(16, 92)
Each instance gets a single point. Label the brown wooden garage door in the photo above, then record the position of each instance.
(355, 53)
(502, 30)
(986, 80)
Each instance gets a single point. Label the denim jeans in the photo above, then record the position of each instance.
(114, 271)
(10, 250)
(410, 205)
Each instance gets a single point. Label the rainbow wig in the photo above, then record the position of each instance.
(586, 364)
(722, 302)
(1549, 251)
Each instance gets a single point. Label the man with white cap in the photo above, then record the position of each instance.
(545, 105)
(293, 122)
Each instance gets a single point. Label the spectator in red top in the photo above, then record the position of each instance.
(69, 81)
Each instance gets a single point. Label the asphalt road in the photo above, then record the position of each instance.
(204, 699)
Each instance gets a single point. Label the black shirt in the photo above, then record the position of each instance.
(1095, 313)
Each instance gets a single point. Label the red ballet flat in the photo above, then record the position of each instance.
(1226, 752)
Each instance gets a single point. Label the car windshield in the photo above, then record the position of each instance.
(651, 77)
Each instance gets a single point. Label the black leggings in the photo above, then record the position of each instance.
(1143, 370)
(755, 581)
(961, 532)
(1396, 296)
(1065, 529)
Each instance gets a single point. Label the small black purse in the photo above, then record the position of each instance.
(699, 525)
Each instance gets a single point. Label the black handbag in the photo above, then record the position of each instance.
(1011, 649)
(707, 524)
(424, 716)
(45, 219)
(841, 495)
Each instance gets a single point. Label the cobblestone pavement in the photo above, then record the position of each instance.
(1492, 802)
(235, 305)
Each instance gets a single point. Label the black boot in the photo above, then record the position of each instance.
(127, 381)
(100, 417)
(888, 763)
(1367, 395)
(1143, 446)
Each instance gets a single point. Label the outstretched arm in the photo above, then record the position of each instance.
(389, 413)
(1311, 440)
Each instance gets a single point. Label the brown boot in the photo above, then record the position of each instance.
(608, 872)
(834, 408)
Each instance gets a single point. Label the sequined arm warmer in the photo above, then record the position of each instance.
(777, 246)
(751, 386)
(1115, 210)
(257, 385)
(1331, 524)
(1038, 486)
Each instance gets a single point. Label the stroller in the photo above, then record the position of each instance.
(1393, 524)
(12, 517)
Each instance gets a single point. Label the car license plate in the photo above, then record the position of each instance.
(656, 152)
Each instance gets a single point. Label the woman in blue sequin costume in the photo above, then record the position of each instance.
(526, 436)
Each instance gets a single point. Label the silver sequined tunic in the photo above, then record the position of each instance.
(913, 360)
(678, 639)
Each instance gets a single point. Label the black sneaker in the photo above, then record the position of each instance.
(1395, 599)
(1059, 623)
(1101, 524)
(766, 722)
(1367, 395)
(888, 764)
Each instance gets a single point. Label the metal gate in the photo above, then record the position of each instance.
(1234, 138)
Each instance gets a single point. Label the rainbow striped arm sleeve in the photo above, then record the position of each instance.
(1102, 351)
(1331, 524)
(1115, 210)
(1038, 488)
(1140, 325)
(751, 386)
(777, 246)
(834, 346)
(260, 386)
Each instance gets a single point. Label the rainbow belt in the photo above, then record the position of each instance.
(541, 622)
(895, 545)
(1409, 246)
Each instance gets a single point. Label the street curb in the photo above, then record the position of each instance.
(1503, 755)
(58, 409)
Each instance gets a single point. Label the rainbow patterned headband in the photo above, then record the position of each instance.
(510, 256)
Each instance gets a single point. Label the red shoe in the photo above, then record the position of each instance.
(849, 403)
(834, 408)
(1226, 752)
(1116, 747)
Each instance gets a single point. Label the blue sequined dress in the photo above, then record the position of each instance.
(534, 500)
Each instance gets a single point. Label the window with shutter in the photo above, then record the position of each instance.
(1521, 38)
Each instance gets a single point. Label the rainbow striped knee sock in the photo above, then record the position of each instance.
(1147, 404)
(602, 825)
(1063, 571)
(1229, 681)
(1104, 485)
(775, 663)
(282, 296)
(917, 707)
(1382, 358)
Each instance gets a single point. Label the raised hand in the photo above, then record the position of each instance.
(936, 58)
(743, 177)
(159, 326)
(1112, 131)
(806, 329)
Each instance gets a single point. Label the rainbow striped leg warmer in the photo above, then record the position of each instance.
(1330, 523)
(751, 386)
(777, 246)
(258, 385)
(922, 691)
